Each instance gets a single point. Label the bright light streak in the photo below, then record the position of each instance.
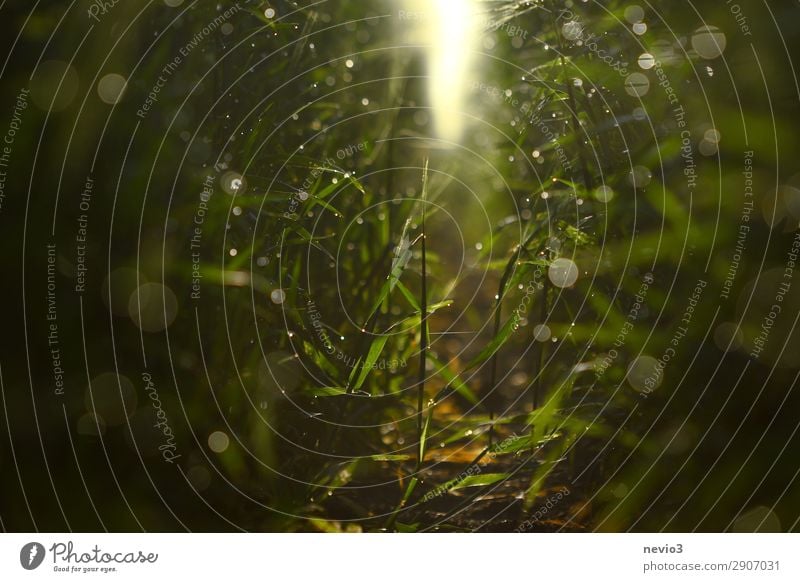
(450, 31)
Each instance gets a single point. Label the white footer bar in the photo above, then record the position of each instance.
(399, 557)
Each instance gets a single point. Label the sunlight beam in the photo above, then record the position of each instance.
(450, 32)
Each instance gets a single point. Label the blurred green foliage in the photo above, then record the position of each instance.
(270, 192)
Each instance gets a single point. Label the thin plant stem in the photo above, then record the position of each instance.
(423, 328)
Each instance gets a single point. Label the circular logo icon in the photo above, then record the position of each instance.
(31, 555)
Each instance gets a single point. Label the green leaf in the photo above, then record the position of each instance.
(541, 419)
(452, 380)
(327, 391)
(540, 475)
(408, 295)
(390, 457)
(325, 205)
(336, 476)
(479, 480)
(406, 496)
(580, 237)
(402, 255)
(497, 342)
(326, 191)
(423, 439)
(355, 182)
(354, 371)
(319, 358)
(374, 353)
(413, 320)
